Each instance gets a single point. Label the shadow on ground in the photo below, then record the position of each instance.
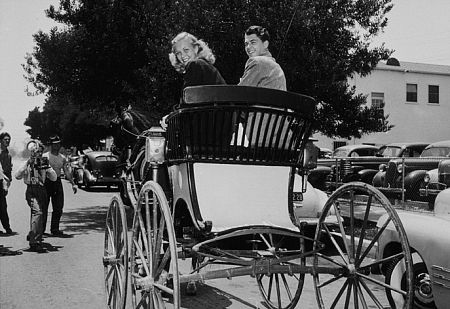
(90, 219)
(211, 297)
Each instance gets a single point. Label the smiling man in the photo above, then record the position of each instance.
(261, 69)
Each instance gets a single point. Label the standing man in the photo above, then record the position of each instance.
(261, 69)
(55, 192)
(35, 172)
(6, 165)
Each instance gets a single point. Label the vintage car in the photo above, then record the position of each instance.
(97, 168)
(319, 176)
(365, 168)
(351, 151)
(402, 178)
(436, 180)
(430, 246)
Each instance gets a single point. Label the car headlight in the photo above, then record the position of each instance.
(382, 167)
(400, 168)
(426, 178)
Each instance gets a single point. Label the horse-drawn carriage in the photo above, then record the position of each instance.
(226, 186)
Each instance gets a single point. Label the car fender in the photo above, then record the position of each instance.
(378, 179)
(318, 176)
(413, 181)
(428, 235)
(367, 175)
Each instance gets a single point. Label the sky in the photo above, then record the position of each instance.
(418, 31)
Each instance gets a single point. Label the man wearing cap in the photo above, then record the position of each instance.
(55, 192)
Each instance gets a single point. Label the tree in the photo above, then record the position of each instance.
(117, 50)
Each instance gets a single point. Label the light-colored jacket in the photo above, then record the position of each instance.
(35, 177)
(263, 71)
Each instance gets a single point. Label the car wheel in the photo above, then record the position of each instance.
(423, 293)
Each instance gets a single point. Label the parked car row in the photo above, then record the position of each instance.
(407, 171)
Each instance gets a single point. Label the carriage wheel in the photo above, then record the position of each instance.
(281, 291)
(115, 258)
(355, 220)
(154, 265)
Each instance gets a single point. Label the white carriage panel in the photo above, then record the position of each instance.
(240, 195)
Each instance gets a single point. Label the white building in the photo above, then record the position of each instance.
(416, 97)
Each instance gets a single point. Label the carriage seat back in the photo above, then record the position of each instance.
(242, 125)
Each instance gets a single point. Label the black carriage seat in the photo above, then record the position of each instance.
(240, 125)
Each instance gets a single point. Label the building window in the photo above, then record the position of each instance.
(411, 92)
(433, 94)
(378, 100)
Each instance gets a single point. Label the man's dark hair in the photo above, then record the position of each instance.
(260, 32)
(4, 134)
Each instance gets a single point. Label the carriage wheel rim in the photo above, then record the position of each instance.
(352, 259)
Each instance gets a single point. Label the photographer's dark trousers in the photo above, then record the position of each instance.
(4, 218)
(36, 197)
(55, 194)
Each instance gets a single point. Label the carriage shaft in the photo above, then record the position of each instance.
(259, 269)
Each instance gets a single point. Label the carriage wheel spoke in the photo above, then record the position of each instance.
(355, 295)
(351, 253)
(269, 292)
(158, 241)
(349, 292)
(372, 296)
(329, 259)
(163, 263)
(148, 237)
(341, 228)
(286, 286)
(141, 256)
(339, 295)
(330, 281)
(382, 284)
(277, 281)
(382, 261)
(364, 227)
(374, 240)
(336, 246)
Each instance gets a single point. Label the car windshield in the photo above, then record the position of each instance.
(436, 152)
(340, 153)
(106, 158)
(390, 151)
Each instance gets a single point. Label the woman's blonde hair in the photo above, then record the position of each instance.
(204, 51)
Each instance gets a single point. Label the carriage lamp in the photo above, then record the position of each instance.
(310, 154)
(155, 144)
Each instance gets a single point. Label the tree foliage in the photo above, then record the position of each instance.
(116, 50)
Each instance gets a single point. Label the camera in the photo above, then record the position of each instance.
(39, 163)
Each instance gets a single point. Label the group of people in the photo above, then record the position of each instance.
(195, 60)
(42, 175)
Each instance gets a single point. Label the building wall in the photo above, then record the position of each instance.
(414, 122)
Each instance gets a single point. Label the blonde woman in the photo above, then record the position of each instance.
(194, 59)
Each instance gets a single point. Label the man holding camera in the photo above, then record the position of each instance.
(35, 172)
(55, 192)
